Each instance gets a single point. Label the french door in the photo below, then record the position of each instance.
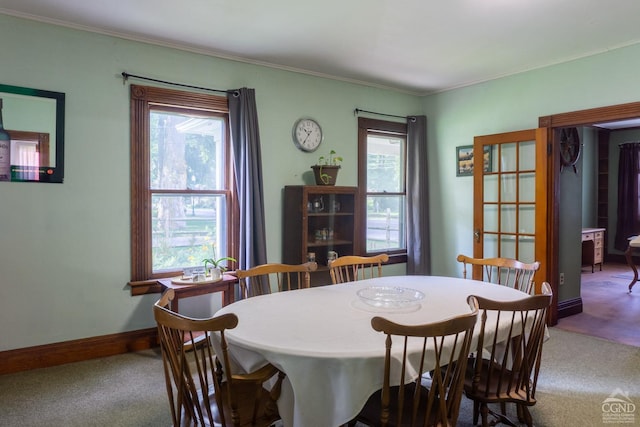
(510, 198)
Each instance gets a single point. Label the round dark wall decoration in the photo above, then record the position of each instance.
(570, 148)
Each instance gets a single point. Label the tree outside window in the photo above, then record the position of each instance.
(181, 177)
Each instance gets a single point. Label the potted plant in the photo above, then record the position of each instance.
(326, 170)
(216, 269)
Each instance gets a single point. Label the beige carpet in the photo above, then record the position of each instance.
(579, 372)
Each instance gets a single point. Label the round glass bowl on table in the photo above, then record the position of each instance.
(390, 296)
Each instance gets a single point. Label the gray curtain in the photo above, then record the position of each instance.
(245, 139)
(628, 224)
(418, 249)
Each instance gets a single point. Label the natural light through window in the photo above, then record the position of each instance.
(188, 200)
(386, 198)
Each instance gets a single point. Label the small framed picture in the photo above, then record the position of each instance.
(464, 160)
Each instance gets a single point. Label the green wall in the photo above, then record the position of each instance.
(64, 257)
(507, 104)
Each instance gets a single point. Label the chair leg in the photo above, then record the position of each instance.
(476, 412)
(519, 412)
(524, 416)
(484, 411)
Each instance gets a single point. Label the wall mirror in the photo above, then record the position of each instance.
(34, 120)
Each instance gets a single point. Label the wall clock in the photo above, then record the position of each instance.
(569, 148)
(307, 134)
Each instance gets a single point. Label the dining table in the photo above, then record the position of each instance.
(322, 339)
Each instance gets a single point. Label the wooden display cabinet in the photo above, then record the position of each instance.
(319, 219)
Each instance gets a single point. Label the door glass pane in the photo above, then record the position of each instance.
(490, 151)
(526, 249)
(508, 218)
(490, 185)
(490, 249)
(527, 219)
(508, 187)
(527, 187)
(491, 218)
(507, 246)
(508, 157)
(527, 155)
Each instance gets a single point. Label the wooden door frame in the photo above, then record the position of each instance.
(587, 117)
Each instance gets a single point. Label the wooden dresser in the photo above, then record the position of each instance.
(593, 246)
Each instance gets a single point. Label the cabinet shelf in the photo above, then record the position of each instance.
(321, 214)
(323, 243)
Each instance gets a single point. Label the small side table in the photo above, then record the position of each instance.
(634, 242)
(226, 286)
(593, 247)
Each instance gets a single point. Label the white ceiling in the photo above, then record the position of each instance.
(417, 46)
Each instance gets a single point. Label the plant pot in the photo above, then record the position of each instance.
(325, 174)
(215, 273)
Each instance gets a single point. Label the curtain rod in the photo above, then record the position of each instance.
(357, 110)
(126, 76)
(628, 143)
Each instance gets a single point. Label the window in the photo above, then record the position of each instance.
(181, 189)
(382, 148)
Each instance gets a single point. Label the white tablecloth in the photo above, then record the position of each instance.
(322, 339)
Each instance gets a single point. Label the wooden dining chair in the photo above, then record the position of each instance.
(351, 267)
(504, 271)
(201, 388)
(258, 280)
(422, 400)
(505, 369)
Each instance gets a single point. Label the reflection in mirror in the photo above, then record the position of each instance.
(34, 121)
(30, 150)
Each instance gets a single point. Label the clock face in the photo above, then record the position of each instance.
(307, 134)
